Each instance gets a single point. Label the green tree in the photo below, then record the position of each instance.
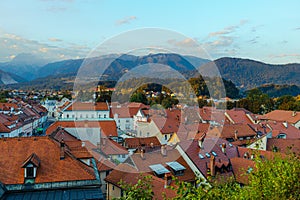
(141, 190)
(139, 97)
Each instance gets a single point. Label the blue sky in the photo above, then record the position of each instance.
(61, 29)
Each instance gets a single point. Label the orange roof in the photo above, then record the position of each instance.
(108, 127)
(129, 174)
(290, 131)
(7, 106)
(240, 166)
(15, 151)
(167, 121)
(228, 131)
(239, 116)
(4, 129)
(284, 145)
(110, 147)
(155, 157)
(80, 106)
(283, 115)
(138, 142)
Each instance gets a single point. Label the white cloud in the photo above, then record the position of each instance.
(54, 40)
(228, 30)
(126, 20)
(11, 44)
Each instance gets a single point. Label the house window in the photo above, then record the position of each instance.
(67, 115)
(140, 133)
(113, 187)
(127, 126)
(166, 137)
(127, 120)
(123, 156)
(86, 116)
(104, 115)
(80, 115)
(148, 134)
(73, 116)
(99, 116)
(92, 115)
(29, 172)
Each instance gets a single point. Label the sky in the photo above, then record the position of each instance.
(266, 31)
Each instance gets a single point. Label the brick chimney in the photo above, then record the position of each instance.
(142, 154)
(201, 140)
(167, 179)
(223, 146)
(236, 135)
(212, 165)
(163, 150)
(62, 149)
(294, 113)
(285, 124)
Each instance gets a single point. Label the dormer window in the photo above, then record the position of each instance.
(176, 167)
(30, 166)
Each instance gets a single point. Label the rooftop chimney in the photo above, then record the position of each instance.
(163, 150)
(201, 140)
(167, 179)
(151, 145)
(82, 144)
(62, 149)
(212, 165)
(285, 124)
(294, 113)
(223, 148)
(235, 135)
(142, 154)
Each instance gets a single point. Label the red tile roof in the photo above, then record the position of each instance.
(278, 127)
(240, 166)
(228, 131)
(80, 106)
(138, 142)
(108, 127)
(210, 144)
(129, 174)
(239, 116)
(284, 145)
(167, 121)
(16, 150)
(155, 157)
(283, 115)
(7, 106)
(110, 147)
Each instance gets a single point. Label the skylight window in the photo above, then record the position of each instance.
(159, 170)
(176, 167)
(207, 155)
(230, 145)
(214, 153)
(201, 156)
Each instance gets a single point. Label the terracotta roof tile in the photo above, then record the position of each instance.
(87, 106)
(283, 115)
(240, 166)
(129, 174)
(16, 150)
(210, 144)
(138, 142)
(108, 127)
(284, 145)
(278, 127)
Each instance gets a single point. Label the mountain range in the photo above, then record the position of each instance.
(244, 73)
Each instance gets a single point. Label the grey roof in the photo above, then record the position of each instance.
(64, 194)
(175, 166)
(159, 169)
